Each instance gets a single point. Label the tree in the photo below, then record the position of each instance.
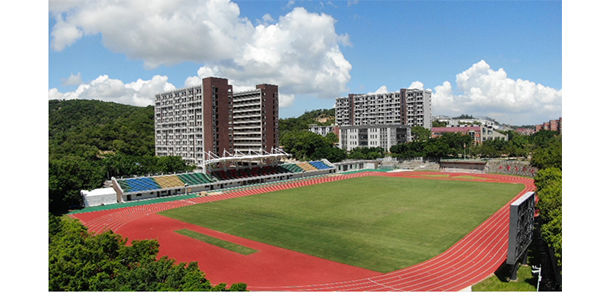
(420, 134)
(366, 153)
(67, 177)
(336, 154)
(456, 143)
(79, 260)
(436, 123)
(549, 155)
(408, 150)
(436, 148)
(332, 138)
(548, 183)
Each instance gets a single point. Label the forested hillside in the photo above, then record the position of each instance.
(86, 127)
(90, 141)
(322, 117)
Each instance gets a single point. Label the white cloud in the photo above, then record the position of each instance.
(138, 93)
(72, 80)
(64, 34)
(286, 100)
(159, 32)
(416, 85)
(300, 52)
(486, 92)
(382, 89)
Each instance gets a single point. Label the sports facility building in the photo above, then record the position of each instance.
(219, 173)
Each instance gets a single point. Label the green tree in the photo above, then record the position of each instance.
(420, 134)
(408, 150)
(456, 143)
(67, 177)
(332, 138)
(79, 260)
(551, 232)
(549, 155)
(549, 190)
(436, 148)
(366, 153)
(436, 123)
(548, 186)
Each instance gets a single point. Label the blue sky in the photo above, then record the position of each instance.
(501, 59)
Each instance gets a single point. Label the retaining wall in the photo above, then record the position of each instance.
(511, 167)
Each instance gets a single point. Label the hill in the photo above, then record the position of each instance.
(91, 141)
(90, 127)
(323, 117)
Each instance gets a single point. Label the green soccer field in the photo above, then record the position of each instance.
(378, 223)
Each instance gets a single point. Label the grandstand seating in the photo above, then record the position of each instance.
(196, 178)
(291, 167)
(164, 182)
(306, 166)
(142, 184)
(256, 171)
(192, 179)
(170, 181)
(319, 165)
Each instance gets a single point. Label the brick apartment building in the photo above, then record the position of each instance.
(210, 117)
(551, 125)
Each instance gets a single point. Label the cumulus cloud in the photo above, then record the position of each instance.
(286, 100)
(300, 51)
(72, 80)
(416, 85)
(487, 92)
(382, 89)
(138, 93)
(159, 32)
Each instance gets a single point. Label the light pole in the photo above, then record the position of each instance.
(537, 270)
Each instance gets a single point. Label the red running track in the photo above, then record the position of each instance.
(472, 259)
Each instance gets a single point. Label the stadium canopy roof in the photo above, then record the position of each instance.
(250, 155)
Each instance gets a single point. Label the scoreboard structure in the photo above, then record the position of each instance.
(521, 229)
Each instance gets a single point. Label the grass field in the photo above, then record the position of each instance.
(525, 281)
(378, 223)
(217, 242)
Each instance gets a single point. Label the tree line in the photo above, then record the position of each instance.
(548, 181)
(457, 145)
(82, 261)
(91, 141)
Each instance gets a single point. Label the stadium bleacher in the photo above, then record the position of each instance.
(291, 167)
(306, 166)
(144, 184)
(319, 165)
(256, 171)
(170, 181)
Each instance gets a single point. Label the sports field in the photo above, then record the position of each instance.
(374, 222)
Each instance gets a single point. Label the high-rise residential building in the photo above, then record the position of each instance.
(409, 107)
(211, 118)
(382, 119)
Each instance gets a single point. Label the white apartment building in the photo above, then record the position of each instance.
(384, 136)
(410, 107)
(455, 122)
(321, 130)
